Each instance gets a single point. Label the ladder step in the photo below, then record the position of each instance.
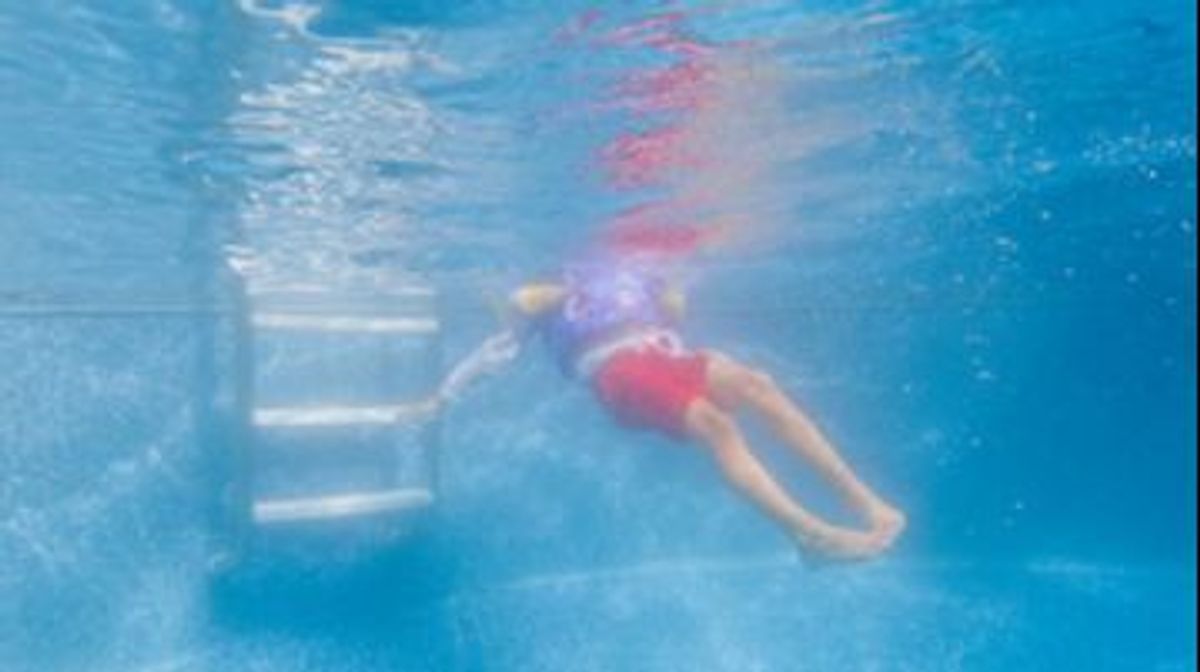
(317, 292)
(332, 416)
(373, 325)
(340, 506)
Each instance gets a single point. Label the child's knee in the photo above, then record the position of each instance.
(709, 423)
(759, 384)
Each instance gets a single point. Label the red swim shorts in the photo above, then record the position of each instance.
(652, 388)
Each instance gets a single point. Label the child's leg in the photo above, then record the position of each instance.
(734, 385)
(717, 431)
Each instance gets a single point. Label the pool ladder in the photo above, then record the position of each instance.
(340, 423)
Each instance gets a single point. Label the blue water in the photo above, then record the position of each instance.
(966, 240)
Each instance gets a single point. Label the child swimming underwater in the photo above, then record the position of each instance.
(613, 326)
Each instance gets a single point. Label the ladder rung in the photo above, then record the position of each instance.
(322, 291)
(316, 322)
(332, 416)
(340, 506)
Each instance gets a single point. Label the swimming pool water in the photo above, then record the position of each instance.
(965, 238)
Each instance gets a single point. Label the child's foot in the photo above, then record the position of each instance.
(839, 544)
(887, 523)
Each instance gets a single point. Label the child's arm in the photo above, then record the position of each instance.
(525, 304)
(490, 356)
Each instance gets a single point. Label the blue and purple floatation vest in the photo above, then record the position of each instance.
(604, 301)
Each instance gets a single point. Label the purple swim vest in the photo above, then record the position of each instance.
(602, 301)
